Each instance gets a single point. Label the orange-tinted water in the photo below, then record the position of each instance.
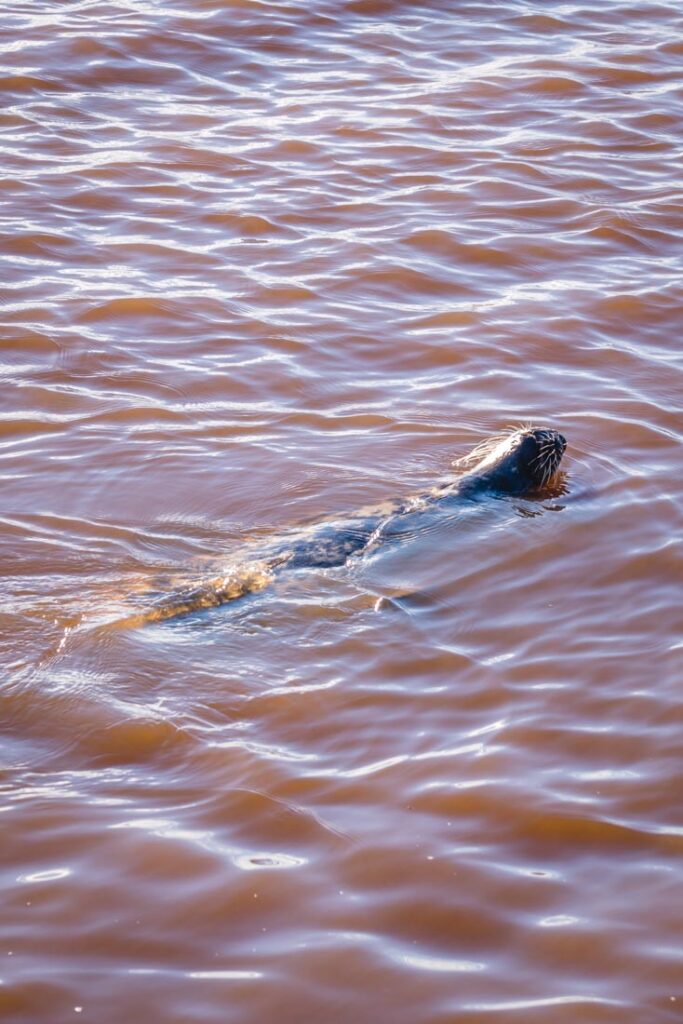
(266, 262)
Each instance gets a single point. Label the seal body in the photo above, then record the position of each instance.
(521, 461)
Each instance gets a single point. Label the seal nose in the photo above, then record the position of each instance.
(560, 444)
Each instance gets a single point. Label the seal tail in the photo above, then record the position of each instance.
(243, 580)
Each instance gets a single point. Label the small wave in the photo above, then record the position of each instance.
(557, 84)
(403, 282)
(242, 224)
(20, 84)
(131, 308)
(542, 24)
(443, 244)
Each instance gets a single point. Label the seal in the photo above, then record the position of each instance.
(522, 461)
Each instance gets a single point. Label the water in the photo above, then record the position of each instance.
(264, 263)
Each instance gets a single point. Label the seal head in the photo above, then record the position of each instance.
(520, 462)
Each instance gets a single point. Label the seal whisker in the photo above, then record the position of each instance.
(539, 458)
(543, 451)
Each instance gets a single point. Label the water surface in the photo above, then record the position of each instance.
(264, 263)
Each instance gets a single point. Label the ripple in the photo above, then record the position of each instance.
(261, 861)
(271, 264)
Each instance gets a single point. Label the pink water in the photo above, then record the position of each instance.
(263, 263)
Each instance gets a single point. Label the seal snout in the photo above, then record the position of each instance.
(551, 440)
(544, 463)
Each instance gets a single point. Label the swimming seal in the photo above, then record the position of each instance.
(521, 461)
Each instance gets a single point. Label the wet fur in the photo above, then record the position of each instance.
(495, 466)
